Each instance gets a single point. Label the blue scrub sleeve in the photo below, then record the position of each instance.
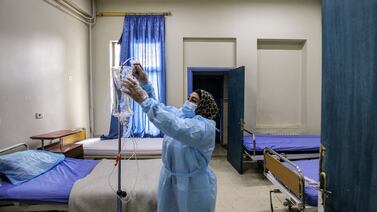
(188, 131)
(147, 87)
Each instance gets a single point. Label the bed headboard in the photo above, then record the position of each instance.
(14, 148)
(76, 137)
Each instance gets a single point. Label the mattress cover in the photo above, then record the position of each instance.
(54, 186)
(283, 143)
(142, 146)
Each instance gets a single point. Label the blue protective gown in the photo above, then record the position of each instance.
(187, 183)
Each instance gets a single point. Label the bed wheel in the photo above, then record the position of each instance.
(260, 165)
(288, 204)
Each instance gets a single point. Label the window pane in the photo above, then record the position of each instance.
(153, 51)
(116, 55)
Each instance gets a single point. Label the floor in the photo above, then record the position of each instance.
(220, 151)
(246, 192)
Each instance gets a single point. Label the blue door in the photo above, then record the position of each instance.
(236, 84)
(349, 105)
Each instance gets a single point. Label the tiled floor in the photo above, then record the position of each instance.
(246, 192)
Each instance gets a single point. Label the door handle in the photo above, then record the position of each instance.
(242, 123)
(323, 187)
(323, 178)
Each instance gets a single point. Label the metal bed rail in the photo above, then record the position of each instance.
(13, 148)
(22, 206)
(254, 141)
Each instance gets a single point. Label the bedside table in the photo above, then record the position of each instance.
(69, 150)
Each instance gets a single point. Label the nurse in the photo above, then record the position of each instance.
(187, 182)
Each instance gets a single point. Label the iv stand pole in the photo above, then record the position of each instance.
(120, 193)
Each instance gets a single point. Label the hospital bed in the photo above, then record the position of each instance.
(298, 180)
(94, 148)
(49, 191)
(78, 185)
(291, 146)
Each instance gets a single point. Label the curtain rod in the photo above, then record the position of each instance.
(101, 14)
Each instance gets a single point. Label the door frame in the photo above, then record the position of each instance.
(190, 81)
(192, 70)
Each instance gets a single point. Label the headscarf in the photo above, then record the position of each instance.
(207, 106)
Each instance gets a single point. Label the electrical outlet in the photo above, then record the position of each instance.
(39, 115)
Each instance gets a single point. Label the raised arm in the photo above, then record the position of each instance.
(190, 131)
(139, 73)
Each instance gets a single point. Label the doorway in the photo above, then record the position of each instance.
(214, 84)
(213, 80)
(230, 85)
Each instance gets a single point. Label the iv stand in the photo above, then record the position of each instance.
(120, 193)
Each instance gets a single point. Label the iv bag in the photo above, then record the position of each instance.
(121, 102)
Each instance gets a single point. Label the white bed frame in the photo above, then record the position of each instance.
(90, 153)
(22, 206)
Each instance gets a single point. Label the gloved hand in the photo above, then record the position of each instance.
(139, 73)
(133, 89)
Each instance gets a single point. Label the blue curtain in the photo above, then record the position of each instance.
(143, 38)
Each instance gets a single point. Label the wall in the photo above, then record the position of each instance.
(281, 108)
(43, 68)
(85, 5)
(242, 20)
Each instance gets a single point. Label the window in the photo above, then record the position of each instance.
(114, 61)
(114, 53)
(149, 55)
(150, 49)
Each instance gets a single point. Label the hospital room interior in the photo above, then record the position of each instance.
(188, 105)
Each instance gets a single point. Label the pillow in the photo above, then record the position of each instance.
(22, 166)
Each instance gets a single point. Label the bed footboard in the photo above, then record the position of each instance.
(290, 182)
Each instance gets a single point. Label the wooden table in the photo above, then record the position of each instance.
(53, 136)
(69, 150)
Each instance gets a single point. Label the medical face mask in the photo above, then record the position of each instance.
(188, 109)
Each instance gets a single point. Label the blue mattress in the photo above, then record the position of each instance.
(283, 143)
(310, 168)
(53, 186)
